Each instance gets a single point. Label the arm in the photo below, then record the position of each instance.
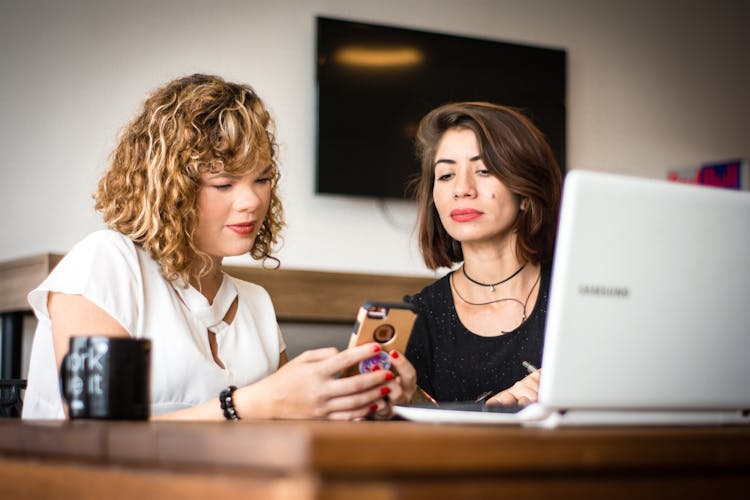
(76, 315)
(306, 387)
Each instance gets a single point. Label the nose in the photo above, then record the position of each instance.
(247, 199)
(463, 186)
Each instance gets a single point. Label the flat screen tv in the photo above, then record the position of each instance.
(374, 84)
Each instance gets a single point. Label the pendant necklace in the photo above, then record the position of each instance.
(492, 286)
(495, 301)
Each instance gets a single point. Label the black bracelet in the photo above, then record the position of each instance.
(227, 403)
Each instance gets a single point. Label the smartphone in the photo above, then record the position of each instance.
(387, 323)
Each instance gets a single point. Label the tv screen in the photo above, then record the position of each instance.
(374, 84)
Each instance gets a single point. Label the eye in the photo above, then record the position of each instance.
(222, 187)
(444, 177)
(484, 172)
(265, 176)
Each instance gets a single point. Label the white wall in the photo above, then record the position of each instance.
(652, 85)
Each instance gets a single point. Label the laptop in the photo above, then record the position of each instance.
(649, 310)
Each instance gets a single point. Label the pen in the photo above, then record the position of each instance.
(482, 398)
(529, 367)
(422, 396)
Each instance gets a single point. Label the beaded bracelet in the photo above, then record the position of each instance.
(227, 403)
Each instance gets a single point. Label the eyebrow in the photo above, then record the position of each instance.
(453, 162)
(266, 170)
(223, 175)
(227, 175)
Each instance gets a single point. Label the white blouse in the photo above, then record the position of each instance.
(123, 280)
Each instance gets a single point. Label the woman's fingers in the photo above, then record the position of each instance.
(384, 409)
(523, 401)
(407, 378)
(360, 383)
(350, 357)
(315, 355)
(358, 393)
(503, 398)
(323, 394)
(527, 389)
(521, 390)
(532, 380)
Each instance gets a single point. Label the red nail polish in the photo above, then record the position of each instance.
(376, 348)
(394, 354)
(373, 408)
(389, 376)
(384, 391)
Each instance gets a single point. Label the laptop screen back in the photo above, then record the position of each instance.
(650, 297)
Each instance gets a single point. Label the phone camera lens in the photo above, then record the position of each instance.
(383, 333)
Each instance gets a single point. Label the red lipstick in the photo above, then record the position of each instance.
(465, 214)
(243, 228)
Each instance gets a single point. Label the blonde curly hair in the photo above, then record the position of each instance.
(195, 124)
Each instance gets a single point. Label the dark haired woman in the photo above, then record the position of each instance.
(488, 198)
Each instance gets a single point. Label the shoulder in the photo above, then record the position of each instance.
(251, 292)
(101, 251)
(434, 297)
(105, 237)
(255, 305)
(108, 255)
(434, 291)
(104, 268)
(248, 288)
(103, 244)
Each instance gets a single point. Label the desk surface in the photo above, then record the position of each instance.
(381, 459)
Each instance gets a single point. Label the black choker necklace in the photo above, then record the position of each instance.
(492, 285)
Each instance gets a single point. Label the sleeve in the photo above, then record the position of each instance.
(282, 344)
(104, 268)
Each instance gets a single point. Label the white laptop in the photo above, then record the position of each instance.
(649, 309)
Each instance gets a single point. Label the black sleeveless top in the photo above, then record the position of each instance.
(454, 364)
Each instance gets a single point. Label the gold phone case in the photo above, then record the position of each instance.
(387, 323)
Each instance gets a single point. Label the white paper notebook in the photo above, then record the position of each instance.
(649, 310)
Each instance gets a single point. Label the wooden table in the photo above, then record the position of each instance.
(367, 460)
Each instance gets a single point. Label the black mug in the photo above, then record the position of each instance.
(107, 378)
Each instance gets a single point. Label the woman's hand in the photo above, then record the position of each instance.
(309, 386)
(401, 388)
(521, 393)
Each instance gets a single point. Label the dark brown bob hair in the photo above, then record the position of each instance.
(516, 152)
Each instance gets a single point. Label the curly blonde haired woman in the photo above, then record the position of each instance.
(194, 179)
